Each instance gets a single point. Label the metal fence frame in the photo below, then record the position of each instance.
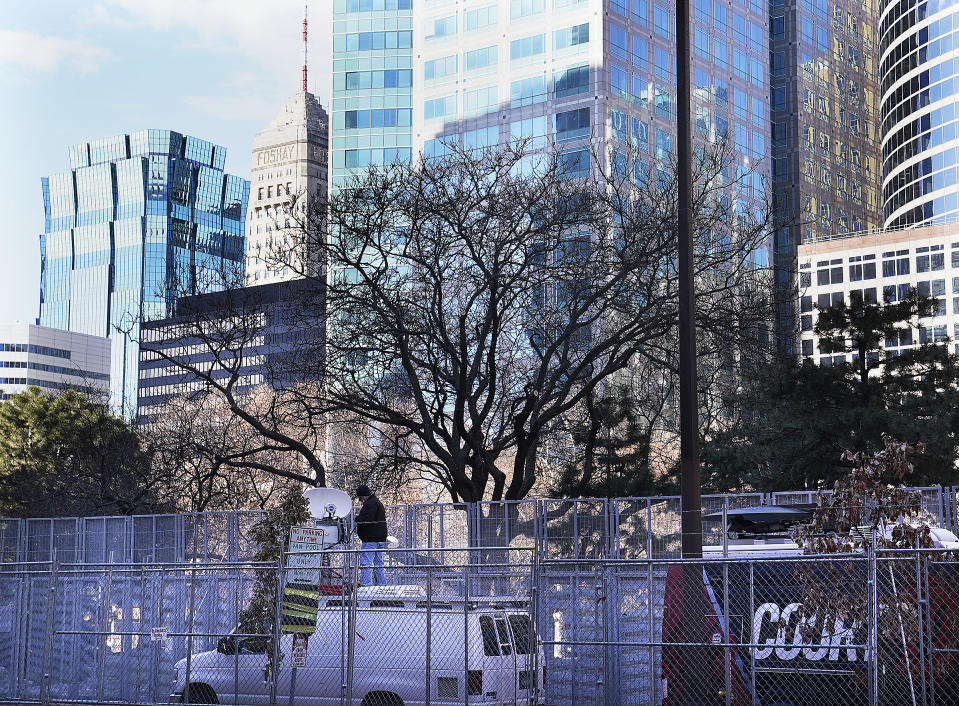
(82, 633)
(564, 528)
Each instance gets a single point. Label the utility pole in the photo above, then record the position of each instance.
(694, 687)
(692, 540)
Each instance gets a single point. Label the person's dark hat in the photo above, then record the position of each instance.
(363, 491)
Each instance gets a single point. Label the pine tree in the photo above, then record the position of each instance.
(270, 534)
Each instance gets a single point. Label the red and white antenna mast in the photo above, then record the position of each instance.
(304, 46)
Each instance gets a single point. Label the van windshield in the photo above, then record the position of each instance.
(522, 634)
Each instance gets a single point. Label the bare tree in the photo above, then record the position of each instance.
(475, 299)
(190, 442)
(246, 347)
(471, 303)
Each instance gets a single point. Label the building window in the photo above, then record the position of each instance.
(480, 58)
(525, 8)
(527, 46)
(571, 81)
(572, 124)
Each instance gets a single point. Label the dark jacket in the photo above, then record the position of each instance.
(371, 521)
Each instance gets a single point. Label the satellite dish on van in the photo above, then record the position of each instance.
(325, 502)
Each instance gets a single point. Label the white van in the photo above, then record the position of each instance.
(484, 654)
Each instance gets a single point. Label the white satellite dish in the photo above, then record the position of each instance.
(328, 501)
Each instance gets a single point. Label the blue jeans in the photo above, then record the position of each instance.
(371, 555)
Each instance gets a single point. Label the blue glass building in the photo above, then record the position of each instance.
(138, 220)
(372, 101)
(582, 77)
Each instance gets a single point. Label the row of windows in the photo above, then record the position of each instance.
(894, 264)
(896, 154)
(371, 5)
(896, 195)
(637, 12)
(478, 19)
(56, 369)
(382, 117)
(744, 66)
(109, 192)
(50, 384)
(365, 80)
(919, 91)
(907, 55)
(31, 348)
(369, 41)
(526, 91)
(358, 159)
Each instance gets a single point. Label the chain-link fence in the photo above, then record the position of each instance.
(569, 529)
(501, 625)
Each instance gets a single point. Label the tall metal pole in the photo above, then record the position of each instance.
(692, 540)
(693, 687)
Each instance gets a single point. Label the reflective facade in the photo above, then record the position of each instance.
(554, 72)
(372, 85)
(824, 110)
(920, 99)
(137, 220)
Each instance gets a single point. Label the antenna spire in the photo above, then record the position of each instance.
(304, 46)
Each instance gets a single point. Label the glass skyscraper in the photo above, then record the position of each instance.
(372, 98)
(920, 111)
(824, 104)
(137, 220)
(412, 75)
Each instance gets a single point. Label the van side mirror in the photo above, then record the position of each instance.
(226, 645)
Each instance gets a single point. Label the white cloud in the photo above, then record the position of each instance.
(28, 51)
(265, 34)
(243, 95)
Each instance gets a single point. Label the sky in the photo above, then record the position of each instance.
(76, 70)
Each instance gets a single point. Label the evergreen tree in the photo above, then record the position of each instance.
(796, 420)
(612, 445)
(270, 534)
(67, 455)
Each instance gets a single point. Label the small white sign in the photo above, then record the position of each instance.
(300, 642)
(305, 559)
(315, 536)
(158, 634)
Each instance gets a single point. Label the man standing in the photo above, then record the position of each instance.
(371, 529)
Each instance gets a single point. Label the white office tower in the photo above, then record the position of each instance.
(53, 360)
(289, 171)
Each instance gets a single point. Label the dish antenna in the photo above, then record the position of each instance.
(329, 503)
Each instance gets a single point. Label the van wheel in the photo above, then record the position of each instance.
(201, 694)
(382, 698)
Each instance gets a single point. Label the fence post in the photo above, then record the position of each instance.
(930, 638)
(107, 610)
(535, 636)
(50, 627)
(238, 587)
(275, 653)
(872, 632)
(158, 644)
(650, 625)
(429, 630)
(921, 598)
(466, 642)
(351, 626)
(187, 696)
(649, 529)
